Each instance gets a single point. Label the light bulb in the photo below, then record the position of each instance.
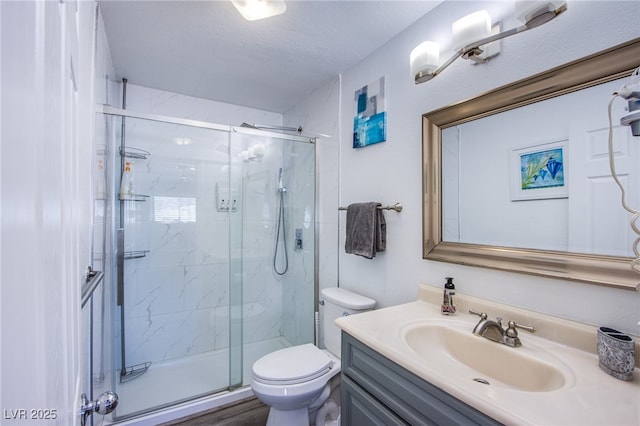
(470, 28)
(424, 58)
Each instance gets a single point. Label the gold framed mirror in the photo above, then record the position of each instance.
(612, 271)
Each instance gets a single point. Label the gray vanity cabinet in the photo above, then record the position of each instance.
(377, 391)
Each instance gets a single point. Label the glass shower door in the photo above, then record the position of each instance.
(172, 281)
(273, 246)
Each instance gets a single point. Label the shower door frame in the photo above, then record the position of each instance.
(109, 110)
(237, 340)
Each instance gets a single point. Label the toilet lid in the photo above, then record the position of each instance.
(292, 365)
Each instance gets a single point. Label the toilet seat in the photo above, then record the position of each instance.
(296, 364)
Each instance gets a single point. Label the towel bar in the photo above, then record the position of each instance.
(397, 207)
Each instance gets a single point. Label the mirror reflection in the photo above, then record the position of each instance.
(518, 178)
(538, 177)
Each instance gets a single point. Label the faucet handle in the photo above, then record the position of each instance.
(511, 330)
(480, 314)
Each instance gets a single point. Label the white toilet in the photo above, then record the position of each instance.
(294, 381)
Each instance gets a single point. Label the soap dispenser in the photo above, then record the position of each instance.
(448, 306)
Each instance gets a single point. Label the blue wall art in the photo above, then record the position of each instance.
(370, 120)
(539, 171)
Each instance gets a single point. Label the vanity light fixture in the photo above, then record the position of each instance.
(473, 36)
(252, 10)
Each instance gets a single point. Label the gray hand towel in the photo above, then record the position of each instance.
(366, 230)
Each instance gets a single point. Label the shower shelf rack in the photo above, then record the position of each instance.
(136, 153)
(130, 373)
(135, 254)
(133, 197)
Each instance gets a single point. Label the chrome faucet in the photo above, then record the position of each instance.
(494, 331)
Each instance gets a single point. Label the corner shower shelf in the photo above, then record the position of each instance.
(130, 373)
(133, 197)
(136, 153)
(135, 254)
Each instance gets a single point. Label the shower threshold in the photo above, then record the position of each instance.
(176, 381)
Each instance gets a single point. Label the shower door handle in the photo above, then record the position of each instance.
(120, 266)
(105, 404)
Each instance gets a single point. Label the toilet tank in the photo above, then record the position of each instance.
(336, 302)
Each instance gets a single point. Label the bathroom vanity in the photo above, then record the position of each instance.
(408, 364)
(378, 391)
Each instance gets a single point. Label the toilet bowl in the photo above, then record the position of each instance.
(294, 381)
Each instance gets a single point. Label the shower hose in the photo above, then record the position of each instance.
(281, 226)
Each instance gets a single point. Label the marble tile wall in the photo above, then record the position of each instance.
(278, 305)
(318, 115)
(176, 296)
(298, 284)
(262, 288)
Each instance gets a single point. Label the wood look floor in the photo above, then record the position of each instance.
(248, 412)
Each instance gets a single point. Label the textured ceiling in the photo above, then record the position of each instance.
(206, 49)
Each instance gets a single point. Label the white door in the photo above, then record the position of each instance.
(46, 87)
(599, 224)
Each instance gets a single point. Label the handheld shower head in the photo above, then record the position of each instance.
(281, 187)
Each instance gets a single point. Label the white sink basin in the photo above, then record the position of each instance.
(552, 379)
(453, 350)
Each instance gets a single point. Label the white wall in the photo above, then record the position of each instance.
(391, 172)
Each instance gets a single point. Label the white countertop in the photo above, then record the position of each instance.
(589, 396)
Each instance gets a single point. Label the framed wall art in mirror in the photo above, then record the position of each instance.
(457, 229)
(538, 171)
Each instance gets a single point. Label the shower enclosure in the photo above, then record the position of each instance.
(197, 290)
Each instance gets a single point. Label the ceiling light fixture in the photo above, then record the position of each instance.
(474, 37)
(252, 10)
